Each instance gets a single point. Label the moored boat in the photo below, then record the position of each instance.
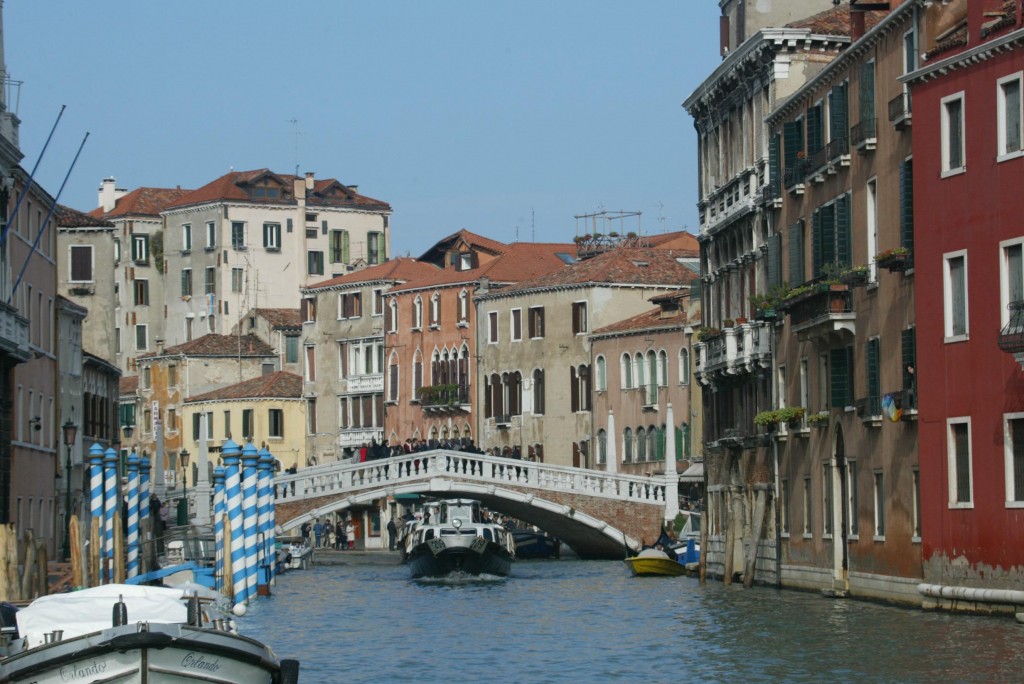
(534, 544)
(454, 537)
(127, 633)
(654, 562)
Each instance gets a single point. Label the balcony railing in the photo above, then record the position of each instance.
(14, 333)
(899, 110)
(1011, 337)
(828, 308)
(771, 192)
(837, 148)
(863, 135)
(743, 348)
(365, 383)
(794, 175)
(444, 397)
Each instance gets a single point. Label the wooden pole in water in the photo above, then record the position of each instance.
(118, 549)
(76, 553)
(13, 586)
(42, 569)
(27, 573)
(3, 564)
(95, 543)
(229, 582)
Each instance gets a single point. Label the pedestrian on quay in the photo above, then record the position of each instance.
(350, 534)
(306, 529)
(339, 535)
(318, 530)
(392, 534)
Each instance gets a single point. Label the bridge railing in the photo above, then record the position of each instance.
(340, 477)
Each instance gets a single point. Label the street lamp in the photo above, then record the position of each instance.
(70, 433)
(183, 505)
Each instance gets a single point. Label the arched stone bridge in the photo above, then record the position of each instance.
(595, 512)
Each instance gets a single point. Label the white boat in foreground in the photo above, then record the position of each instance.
(134, 634)
(456, 538)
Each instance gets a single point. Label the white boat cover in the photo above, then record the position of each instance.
(695, 473)
(91, 610)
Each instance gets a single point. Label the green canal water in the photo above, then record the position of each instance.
(589, 621)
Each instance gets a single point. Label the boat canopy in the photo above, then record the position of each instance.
(694, 473)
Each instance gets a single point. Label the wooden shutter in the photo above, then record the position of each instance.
(838, 118)
(841, 367)
(343, 358)
(842, 253)
(393, 382)
(815, 134)
(873, 375)
(793, 141)
(866, 91)
(774, 261)
(774, 162)
(908, 343)
(907, 204)
(574, 391)
(816, 247)
(796, 254)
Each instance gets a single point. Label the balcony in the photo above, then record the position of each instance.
(899, 111)
(364, 383)
(740, 349)
(1011, 337)
(14, 333)
(822, 310)
(771, 194)
(863, 136)
(444, 398)
(794, 176)
(727, 203)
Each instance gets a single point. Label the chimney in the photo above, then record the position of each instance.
(159, 345)
(109, 193)
(856, 24)
(309, 180)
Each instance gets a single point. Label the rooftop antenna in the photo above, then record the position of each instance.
(533, 224)
(661, 215)
(296, 132)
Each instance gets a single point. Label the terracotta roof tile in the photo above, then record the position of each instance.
(231, 186)
(281, 318)
(129, 384)
(521, 260)
(477, 241)
(646, 321)
(836, 21)
(72, 218)
(644, 265)
(278, 385)
(400, 269)
(218, 345)
(144, 202)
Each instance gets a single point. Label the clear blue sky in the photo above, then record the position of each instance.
(482, 115)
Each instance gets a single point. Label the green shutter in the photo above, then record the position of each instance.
(838, 116)
(816, 249)
(793, 140)
(841, 368)
(344, 246)
(383, 248)
(874, 378)
(908, 342)
(796, 254)
(774, 169)
(815, 134)
(866, 91)
(907, 204)
(195, 426)
(825, 250)
(843, 231)
(774, 261)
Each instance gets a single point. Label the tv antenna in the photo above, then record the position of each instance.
(296, 132)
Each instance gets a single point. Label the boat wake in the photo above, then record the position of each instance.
(457, 577)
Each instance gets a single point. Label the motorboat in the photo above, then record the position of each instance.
(293, 553)
(654, 562)
(534, 544)
(140, 634)
(455, 537)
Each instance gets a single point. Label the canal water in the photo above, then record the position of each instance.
(589, 621)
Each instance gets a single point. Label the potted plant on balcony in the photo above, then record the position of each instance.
(728, 323)
(769, 420)
(707, 333)
(791, 415)
(819, 419)
(855, 276)
(895, 259)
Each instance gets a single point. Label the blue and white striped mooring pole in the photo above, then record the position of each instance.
(264, 552)
(132, 541)
(219, 508)
(233, 499)
(110, 502)
(96, 502)
(144, 513)
(250, 457)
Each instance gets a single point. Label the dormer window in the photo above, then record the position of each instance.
(465, 261)
(265, 193)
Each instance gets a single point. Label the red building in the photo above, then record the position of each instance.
(969, 273)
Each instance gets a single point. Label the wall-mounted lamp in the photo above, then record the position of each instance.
(36, 423)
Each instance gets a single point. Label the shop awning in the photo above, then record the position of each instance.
(694, 473)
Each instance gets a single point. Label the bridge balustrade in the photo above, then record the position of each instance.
(340, 477)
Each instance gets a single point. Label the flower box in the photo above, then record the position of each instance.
(896, 259)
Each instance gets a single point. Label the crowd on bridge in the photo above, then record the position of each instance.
(381, 450)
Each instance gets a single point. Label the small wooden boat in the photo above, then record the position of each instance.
(534, 544)
(153, 636)
(654, 562)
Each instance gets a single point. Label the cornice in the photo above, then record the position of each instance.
(967, 58)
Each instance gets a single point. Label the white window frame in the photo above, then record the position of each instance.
(393, 305)
(1004, 278)
(1011, 493)
(435, 311)
(186, 237)
(463, 309)
(512, 326)
(944, 104)
(145, 329)
(493, 331)
(951, 461)
(871, 227)
(947, 298)
(417, 313)
(878, 497)
(601, 373)
(272, 236)
(377, 303)
(211, 235)
(684, 366)
(1002, 153)
(852, 501)
(92, 263)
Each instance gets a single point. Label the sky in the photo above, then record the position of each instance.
(505, 118)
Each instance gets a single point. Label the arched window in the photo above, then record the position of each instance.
(602, 374)
(417, 374)
(684, 366)
(652, 378)
(626, 370)
(435, 310)
(497, 396)
(641, 445)
(467, 434)
(602, 447)
(393, 314)
(662, 368)
(538, 391)
(657, 438)
(514, 382)
(463, 307)
(393, 377)
(417, 313)
(627, 445)
(433, 438)
(435, 368)
(638, 371)
(444, 433)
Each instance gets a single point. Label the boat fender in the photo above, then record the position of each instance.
(289, 672)
(195, 617)
(120, 617)
(239, 609)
